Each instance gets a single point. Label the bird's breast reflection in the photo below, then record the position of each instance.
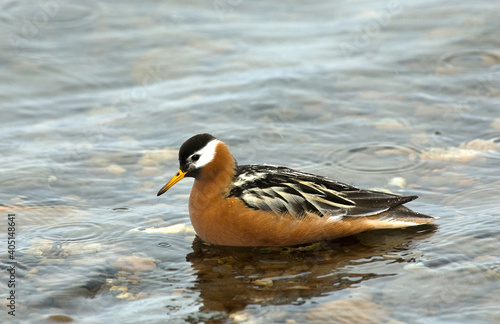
(229, 278)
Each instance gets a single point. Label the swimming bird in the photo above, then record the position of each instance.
(265, 205)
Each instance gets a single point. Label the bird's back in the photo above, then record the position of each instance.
(284, 190)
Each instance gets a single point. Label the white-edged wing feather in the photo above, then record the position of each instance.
(283, 190)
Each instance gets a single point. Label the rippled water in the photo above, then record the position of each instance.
(97, 97)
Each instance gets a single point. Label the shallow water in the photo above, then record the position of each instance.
(97, 98)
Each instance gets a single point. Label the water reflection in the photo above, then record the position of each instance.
(229, 279)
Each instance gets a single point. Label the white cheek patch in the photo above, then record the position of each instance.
(206, 154)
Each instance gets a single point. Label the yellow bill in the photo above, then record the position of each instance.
(176, 178)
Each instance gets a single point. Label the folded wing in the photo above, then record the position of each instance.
(283, 190)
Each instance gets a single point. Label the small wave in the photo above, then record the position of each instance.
(469, 60)
(377, 158)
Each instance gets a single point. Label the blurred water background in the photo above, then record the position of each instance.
(96, 97)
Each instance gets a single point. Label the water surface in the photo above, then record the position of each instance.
(97, 97)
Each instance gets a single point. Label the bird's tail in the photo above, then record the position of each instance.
(400, 217)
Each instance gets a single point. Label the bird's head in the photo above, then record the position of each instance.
(194, 154)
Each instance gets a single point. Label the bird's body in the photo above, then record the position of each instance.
(263, 205)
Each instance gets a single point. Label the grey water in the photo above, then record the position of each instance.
(96, 98)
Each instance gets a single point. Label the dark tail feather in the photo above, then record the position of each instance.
(405, 215)
(375, 199)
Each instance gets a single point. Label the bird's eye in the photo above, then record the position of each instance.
(195, 157)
